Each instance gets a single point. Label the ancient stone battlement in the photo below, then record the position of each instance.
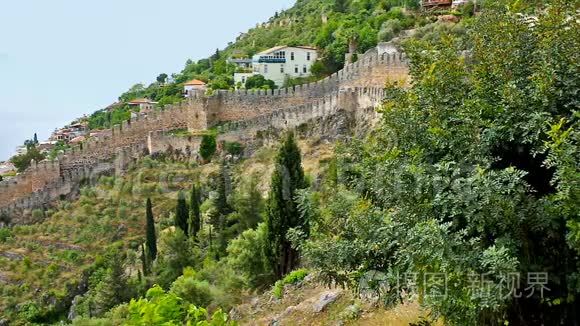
(239, 115)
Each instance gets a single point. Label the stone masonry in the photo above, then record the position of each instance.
(239, 115)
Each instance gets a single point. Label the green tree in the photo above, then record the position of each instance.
(259, 81)
(194, 204)
(151, 236)
(112, 289)
(182, 214)
(145, 263)
(248, 205)
(222, 208)
(282, 210)
(246, 254)
(176, 252)
(22, 162)
(208, 147)
(162, 78)
(469, 173)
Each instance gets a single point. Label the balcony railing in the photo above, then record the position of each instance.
(270, 59)
(429, 3)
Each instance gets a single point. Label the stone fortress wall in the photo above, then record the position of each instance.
(239, 115)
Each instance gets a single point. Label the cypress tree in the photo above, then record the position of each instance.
(144, 262)
(182, 214)
(151, 240)
(282, 210)
(219, 217)
(195, 211)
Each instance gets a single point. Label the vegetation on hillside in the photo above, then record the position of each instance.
(330, 25)
(464, 199)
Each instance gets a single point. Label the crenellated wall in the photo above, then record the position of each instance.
(240, 115)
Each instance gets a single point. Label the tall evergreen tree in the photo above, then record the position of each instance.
(182, 214)
(151, 240)
(144, 262)
(218, 218)
(282, 210)
(195, 212)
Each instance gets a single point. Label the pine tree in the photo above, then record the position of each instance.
(151, 240)
(182, 214)
(195, 212)
(35, 139)
(282, 210)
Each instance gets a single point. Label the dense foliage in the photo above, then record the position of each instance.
(465, 198)
(467, 195)
(282, 210)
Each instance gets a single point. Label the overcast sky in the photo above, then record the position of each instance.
(60, 59)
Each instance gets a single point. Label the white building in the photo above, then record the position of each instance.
(281, 62)
(241, 77)
(193, 86)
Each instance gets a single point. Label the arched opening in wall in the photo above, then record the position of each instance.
(521, 157)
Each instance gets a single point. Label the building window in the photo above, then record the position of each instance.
(265, 69)
(282, 68)
(308, 56)
(296, 69)
(304, 69)
(291, 55)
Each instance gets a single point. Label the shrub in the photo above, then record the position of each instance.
(245, 255)
(208, 146)
(233, 148)
(292, 278)
(389, 30)
(5, 234)
(191, 289)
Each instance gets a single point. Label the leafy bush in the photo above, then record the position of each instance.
(292, 278)
(468, 175)
(159, 307)
(5, 234)
(389, 30)
(208, 146)
(259, 82)
(233, 148)
(192, 290)
(246, 255)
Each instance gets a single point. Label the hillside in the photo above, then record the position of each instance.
(44, 266)
(329, 25)
(448, 197)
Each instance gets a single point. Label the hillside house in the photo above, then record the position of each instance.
(429, 4)
(69, 132)
(281, 62)
(7, 168)
(144, 104)
(193, 86)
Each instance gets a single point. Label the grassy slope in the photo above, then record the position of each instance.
(39, 262)
(295, 308)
